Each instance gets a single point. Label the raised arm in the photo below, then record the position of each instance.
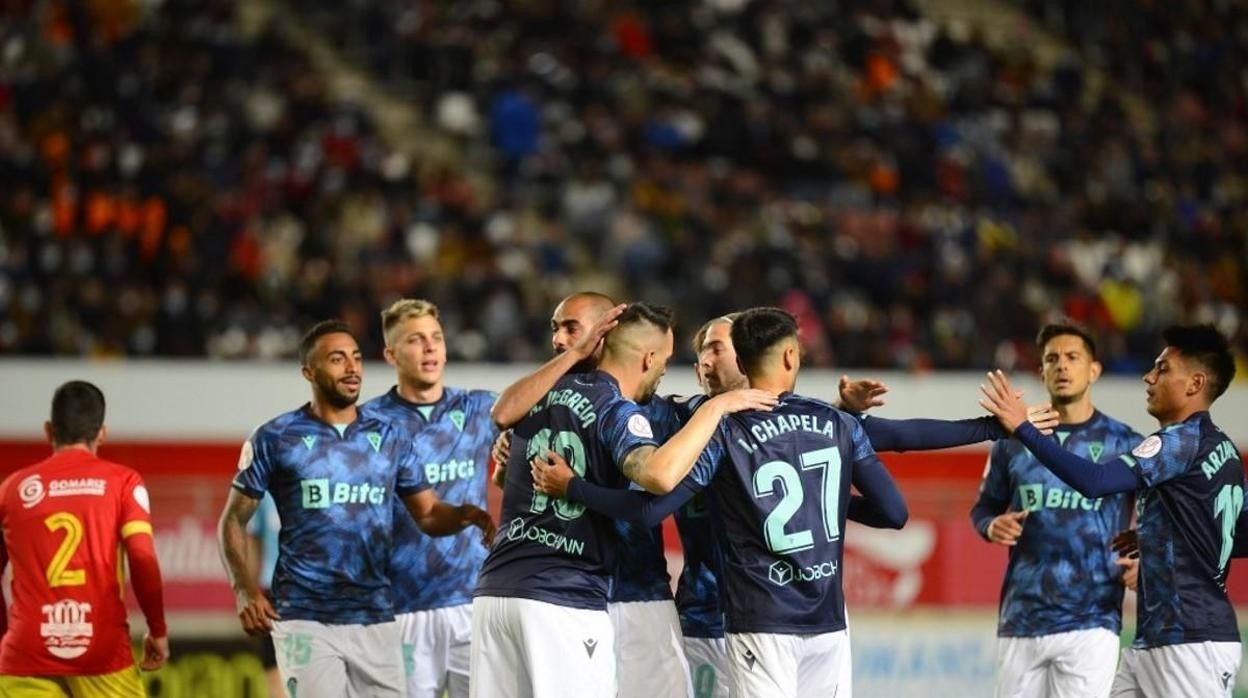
(659, 470)
(254, 610)
(1090, 479)
(437, 518)
(520, 397)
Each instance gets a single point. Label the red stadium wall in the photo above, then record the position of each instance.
(936, 561)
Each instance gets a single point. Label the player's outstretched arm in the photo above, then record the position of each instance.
(660, 470)
(930, 434)
(149, 591)
(254, 610)
(1090, 479)
(521, 396)
(553, 476)
(437, 518)
(883, 501)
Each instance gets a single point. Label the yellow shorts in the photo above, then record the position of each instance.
(119, 684)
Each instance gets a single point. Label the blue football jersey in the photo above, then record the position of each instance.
(780, 486)
(1062, 574)
(1186, 522)
(553, 550)
(640, 562)
(334, 495)
(697, 589)
(451, 440)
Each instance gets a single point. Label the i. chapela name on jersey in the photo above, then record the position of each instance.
(577, 403)
(784, 423)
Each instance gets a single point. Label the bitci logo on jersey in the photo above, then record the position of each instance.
(66, 631)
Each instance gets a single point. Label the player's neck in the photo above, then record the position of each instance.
(772, 383)
(1076, 412)
(88, 448)
(333, 415)
(628, 380)
(420, 394)
(1181, 415)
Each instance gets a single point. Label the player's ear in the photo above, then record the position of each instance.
(388, 353)
(101, 435)
(47, 431)
(1196, 384)
(306, 370)
(1096, 370)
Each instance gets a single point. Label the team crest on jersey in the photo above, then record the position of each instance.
(31, 491)
(309, 441)
(457, 418)
(639, 426)
(1148, 447)
(65, 630)
(375, 439)
(1095, 449)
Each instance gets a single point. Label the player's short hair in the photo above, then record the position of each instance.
(1208, 347)
(705, 329)
(77, 413)
(659, 316)
(404, 309)
(757, 330)
(317, 331)
(601, 299)
(1058, 329)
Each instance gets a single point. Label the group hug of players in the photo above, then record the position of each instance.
(380, 591)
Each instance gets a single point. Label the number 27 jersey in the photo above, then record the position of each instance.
(780, 492)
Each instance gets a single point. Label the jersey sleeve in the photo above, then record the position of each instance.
(136, 508)
(256, 463)
(1164, 455)
(705, 467)
(624, 427)
(994, 490)
(410, 478)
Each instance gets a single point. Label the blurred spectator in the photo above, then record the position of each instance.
(919, 196)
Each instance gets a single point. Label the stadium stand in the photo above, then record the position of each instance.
(920, 196)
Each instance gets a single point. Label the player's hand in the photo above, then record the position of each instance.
(861, 395)
(1042, 417)
(1002, 401)
(1006, 528)
(1130, 571)
(1126, 543)
(256, 613)
(551, 475)
(476, 516)
(500, 452)
(744, 399)
(587, 345)
(155, 652)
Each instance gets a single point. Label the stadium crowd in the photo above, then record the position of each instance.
(920, 196)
